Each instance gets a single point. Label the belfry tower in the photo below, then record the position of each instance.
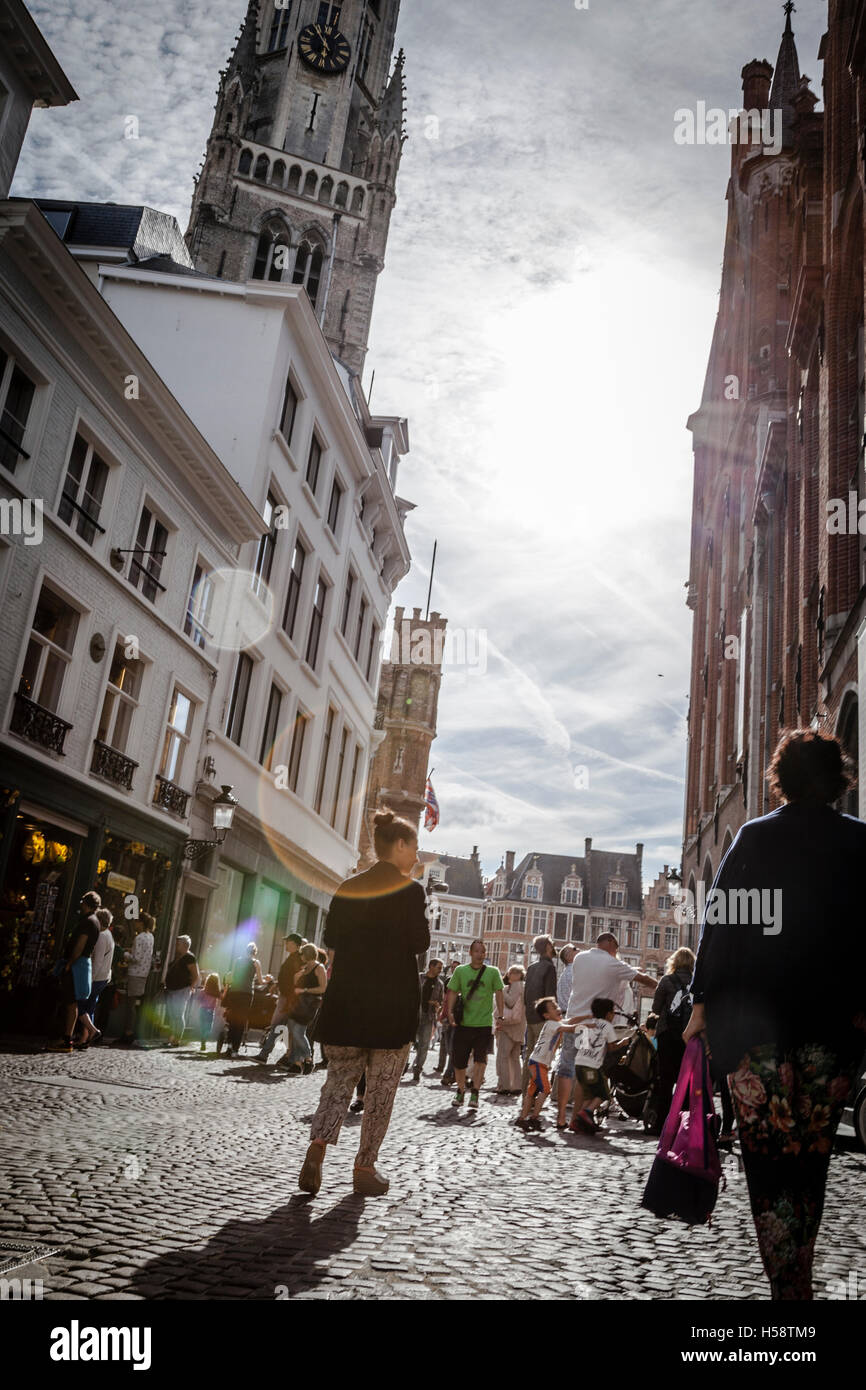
(299, 175)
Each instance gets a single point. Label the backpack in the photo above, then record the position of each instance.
(679, 1010)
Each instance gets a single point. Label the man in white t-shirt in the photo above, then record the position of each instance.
(595, 974)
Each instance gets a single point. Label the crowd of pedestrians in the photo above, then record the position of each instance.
(783, 1053)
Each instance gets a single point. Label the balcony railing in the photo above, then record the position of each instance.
(38, 725)
(114, 766)
(170, 797)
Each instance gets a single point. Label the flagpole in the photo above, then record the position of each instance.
(430, 585)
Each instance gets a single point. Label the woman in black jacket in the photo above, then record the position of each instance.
(376, 928)
(671, 993)
(779, 990)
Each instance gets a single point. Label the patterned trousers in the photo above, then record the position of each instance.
(383, 1068)
(788, 1108)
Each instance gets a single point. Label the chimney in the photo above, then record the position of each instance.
(639, 857)
(587, 846)
(509, 862)
(757, 76)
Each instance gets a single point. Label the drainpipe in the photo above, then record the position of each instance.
(769, 502)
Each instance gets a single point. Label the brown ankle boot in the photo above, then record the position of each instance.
(310, 1178)
(368, 1182)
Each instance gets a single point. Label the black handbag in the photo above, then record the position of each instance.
(306, 1008)
(460, 1002)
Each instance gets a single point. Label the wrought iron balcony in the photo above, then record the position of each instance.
(170, 797)
(114, 766)
(38, 725)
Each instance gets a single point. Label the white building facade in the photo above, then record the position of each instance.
(110, 497)
(296, 637)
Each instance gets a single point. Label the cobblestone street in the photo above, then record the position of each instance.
(170, 1175)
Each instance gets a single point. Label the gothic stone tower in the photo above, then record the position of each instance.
(299, 176)
(406, 716)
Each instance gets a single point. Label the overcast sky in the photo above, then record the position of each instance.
(543, 320)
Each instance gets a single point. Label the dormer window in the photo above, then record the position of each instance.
(572, 889)
(532, 886)
(616, 893)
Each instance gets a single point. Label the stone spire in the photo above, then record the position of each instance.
(786, 78)
(391, 114)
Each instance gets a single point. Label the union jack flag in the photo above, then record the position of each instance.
(431, 807)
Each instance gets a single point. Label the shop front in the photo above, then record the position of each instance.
(61, 838)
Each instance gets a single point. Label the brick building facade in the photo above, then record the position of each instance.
(406, 720)
(571, 898)
(777, 593)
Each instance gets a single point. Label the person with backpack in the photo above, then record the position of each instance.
(472, 990)
(672, 1002)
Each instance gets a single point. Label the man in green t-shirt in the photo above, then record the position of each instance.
(478, 985)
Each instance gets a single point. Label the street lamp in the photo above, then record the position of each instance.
(223, 814)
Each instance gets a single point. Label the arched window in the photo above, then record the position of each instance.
(326, 189)
(308, 269)
(278, 173)
(261, 169)
(245, 162)
(277, 37)
(272, 253)
(294, 178)
(358, 200)
(342, 195)
(310, 185)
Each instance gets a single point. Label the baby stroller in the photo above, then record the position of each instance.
(631, 1074)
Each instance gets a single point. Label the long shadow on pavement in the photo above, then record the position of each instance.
(281, 1256)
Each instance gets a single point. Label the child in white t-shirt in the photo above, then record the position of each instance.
(540, 1061)
(597, 1038)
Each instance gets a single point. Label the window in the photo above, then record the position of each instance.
(334, 505)
(665, 903)
(245, 163)
(653, 937)
(571, 891)
(16, 401)
(672, 938)
(317, 618)
(145, 567)
(596, 928)
(364, 48)
(560, 926)
(279, 26)
(289, 411)
(371, 649)
(632, 936)
(352, 785)
(121, 700)
(347, 602)
(578, 927)
(314, 458)
(267, 546)
(198, 608)
(239, 697)
(49, 651)
(299, 734)
(272, 727)
(616, 894)
(341, 763)
(293, 595)
(180, 717)
(273, 249)
(323, 766)
(84, 490)
(539, 921)
(308, 267)
(362, 619)
(532, 887)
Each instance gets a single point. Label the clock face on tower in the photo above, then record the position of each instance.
(324, 49)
